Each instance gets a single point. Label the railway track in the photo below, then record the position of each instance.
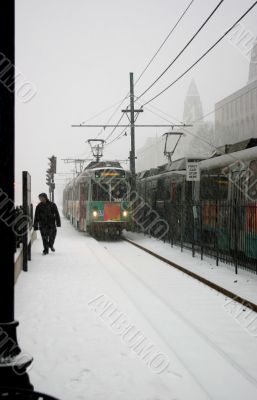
(205, 281)
(175, 323)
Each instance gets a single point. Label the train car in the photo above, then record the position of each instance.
(97, 201)
(228, 194)
(166, 191)
(219, 212)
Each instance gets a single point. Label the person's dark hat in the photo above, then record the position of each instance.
(43, 195)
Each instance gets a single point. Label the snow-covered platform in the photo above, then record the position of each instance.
(105, 320)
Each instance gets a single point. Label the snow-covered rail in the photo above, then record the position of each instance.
(220, 289)
(172, 314)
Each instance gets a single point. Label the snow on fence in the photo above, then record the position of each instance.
(221, 229)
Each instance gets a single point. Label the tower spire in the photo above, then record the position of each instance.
(253, 64)
(192, 105)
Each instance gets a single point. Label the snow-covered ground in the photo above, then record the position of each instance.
(243, 284)
(106, 320)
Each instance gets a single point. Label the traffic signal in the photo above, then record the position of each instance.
(48, 177)
(52, 164)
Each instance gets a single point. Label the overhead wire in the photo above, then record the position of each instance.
(203, 55)
(184, 48)
(102, 111)
(122, 132)
(172, 30)
(184, 73)
(152, 59)
(164, 41)
(113, 130)
(112, 115)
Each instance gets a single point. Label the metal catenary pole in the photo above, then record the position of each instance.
(132, 130)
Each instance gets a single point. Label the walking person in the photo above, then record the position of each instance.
(46, 219)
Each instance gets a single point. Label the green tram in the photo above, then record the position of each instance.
(97, 200)
(218, 212)
(228, 192)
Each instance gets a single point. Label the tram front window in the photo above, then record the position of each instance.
(100, 192)
(119, 191)
(114, 191)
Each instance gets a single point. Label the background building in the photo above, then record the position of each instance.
(195, 140)
(235, 121)
(236, 115)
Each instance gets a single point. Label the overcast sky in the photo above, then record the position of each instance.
(78, 55)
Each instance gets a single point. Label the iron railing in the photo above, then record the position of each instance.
(221, 229)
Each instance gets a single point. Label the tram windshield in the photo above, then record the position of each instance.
(116, 190)
(100, 191)
(119, 190)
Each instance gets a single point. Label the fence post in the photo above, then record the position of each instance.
(236, 237)
(216, 233)
(201, 228)
(170, 223)
(181, 228)
(194, 215)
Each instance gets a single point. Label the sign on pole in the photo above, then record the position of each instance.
(193, 171)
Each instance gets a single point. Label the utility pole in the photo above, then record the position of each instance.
(132, 153)
(131, 116)
(132, 129)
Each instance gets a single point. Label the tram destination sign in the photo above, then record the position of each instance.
(110, 173)
(193, 171)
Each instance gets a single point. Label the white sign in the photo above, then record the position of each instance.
(193, 171)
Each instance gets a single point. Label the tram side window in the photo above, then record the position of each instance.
(177, 191)
(84, 191)
(100, 192)
(252, 188)
(214, 187)
(188, 191)
(239, 184)
(150, 193)
(76, 192)
(173, 191)
(162, 190)
(167, 189)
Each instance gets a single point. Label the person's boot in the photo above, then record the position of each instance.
(52, 248)
(45, 251)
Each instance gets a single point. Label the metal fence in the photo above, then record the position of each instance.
(221, 229)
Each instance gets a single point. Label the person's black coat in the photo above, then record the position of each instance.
(46, 216)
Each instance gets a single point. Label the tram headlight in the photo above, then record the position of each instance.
(95, 213)
(125, 213)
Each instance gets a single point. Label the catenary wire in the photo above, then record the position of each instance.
(182, 51)
(163, 43)
(202, 56)
(145, 69)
